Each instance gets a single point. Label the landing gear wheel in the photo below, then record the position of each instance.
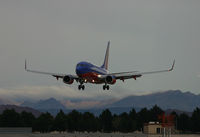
(104, 87)
(79, 87)
(83, 87)
(107, 87)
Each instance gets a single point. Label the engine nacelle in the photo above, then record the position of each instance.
(110, 80)
(68, 79)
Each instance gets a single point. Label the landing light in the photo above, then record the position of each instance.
(93, 80)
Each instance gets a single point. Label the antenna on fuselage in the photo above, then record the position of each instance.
(105, 63)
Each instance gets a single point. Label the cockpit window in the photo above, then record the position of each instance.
(81, 65)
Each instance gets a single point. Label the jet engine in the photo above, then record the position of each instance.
(68, 79)
(110, 79)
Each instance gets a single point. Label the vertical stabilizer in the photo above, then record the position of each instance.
(105, 63)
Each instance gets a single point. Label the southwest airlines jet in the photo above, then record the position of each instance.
(88, 73)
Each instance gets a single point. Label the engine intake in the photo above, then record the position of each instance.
(110, 80)
(68, 79)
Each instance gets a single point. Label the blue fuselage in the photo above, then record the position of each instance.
(90, 72)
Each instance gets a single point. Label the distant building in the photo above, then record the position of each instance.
(157, 128)
(152, 128)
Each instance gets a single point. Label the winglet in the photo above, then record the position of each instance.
(25, 65)
(172, 66)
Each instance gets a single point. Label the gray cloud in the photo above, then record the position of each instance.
(59, 92)
(87, 103)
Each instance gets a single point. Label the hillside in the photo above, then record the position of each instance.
(173, 99)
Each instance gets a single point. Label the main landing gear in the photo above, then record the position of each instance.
(81, 87)
(106, 87)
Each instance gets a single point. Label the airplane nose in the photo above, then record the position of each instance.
(78, 70)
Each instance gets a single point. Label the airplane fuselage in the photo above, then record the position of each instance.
(90, 73)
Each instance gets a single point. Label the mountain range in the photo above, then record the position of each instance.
(173, 99)
(47, 104)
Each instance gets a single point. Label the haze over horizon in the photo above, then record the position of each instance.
(55, 35)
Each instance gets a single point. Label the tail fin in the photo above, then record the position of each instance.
(105, 63)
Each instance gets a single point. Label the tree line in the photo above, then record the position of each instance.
(105, 122)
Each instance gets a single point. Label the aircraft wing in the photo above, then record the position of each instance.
(136, 74)
(57, 75)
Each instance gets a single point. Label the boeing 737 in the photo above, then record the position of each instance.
(88, 73)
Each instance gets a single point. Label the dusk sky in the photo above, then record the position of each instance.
(54, 35)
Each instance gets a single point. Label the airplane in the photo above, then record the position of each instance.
(88, 73)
